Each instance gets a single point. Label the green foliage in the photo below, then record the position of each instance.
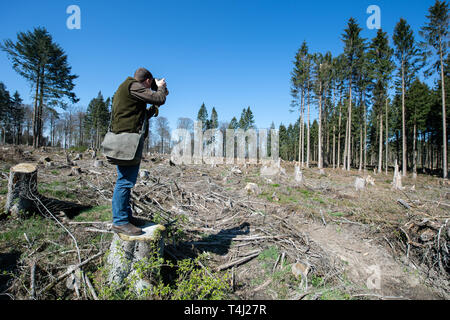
(214, 122)
(56, 189)
(196, 283)
(43, 63)
(97, 119)
(271, 253)
(36, 227)
(192, 282)
(79, 149)
(233, 124)
(203, 117)
(98, 213)
(247, 120)
(435, 33)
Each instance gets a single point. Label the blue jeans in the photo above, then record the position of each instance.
(126, 179)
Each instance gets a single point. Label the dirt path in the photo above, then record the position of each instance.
(367, 262)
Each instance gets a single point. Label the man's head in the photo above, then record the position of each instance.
(144, 76)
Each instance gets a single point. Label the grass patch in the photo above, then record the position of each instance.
(337, 214)
(56, 189)
(306, 193)
(36, 227)
(334, 294)
(98, 213)
(3, 187)
(79, 149)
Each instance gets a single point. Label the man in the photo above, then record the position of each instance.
(128, 115)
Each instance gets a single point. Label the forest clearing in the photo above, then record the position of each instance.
(334, 136)
(243, 232)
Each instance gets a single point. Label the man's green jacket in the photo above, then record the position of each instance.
(129, 105)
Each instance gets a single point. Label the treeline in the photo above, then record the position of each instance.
(373, 107)
(360, 123)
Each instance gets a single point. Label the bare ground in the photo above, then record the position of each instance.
(358, 244)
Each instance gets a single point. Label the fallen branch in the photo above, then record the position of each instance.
(67, 273)
(91, 287)
(237, 262)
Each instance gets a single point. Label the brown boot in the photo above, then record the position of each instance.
(128, 229)
(138, 222)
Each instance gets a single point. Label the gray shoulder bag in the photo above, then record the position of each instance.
(124, 149)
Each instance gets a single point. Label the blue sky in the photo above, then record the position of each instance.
(227, 54)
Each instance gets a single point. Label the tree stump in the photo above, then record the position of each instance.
(397, 180)
(98, 163)
(298, 175)
(128, 252)
(22, 188)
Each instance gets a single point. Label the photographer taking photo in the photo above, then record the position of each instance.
(130, 115)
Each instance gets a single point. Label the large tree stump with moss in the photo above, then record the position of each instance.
(22, 188)
(130, 258)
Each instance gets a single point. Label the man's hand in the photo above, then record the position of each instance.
(161, 82)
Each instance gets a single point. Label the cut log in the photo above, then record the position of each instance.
(129, 256)
(22, 188)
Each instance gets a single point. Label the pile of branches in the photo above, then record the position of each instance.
(427, 242)
(237, 226)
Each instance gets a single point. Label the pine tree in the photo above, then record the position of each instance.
(97, 119)
(214, 122)
(299, 85)
(419, 101)
(407, 54)
(243, 120)
(435, 33)
(233, 124)
(353, 49)
(382, 66)
(17, 116)
(44, 64)
(5, 102)
(203, 117)
(322, 77)
(249, 119)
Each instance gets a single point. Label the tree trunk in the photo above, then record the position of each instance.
(380, 147)
(129, 256)
(404, 163)
(334, 146)
(415, 152)
(320, 160)
(345, 156)
(35, 110)
(308, 134)
(339, 136)
(300, 135)
(22, 189)
(365, 132)
(444, 116)
(360, 149)
(349, 126)
(387, 135)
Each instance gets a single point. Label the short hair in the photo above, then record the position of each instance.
(142, 74)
